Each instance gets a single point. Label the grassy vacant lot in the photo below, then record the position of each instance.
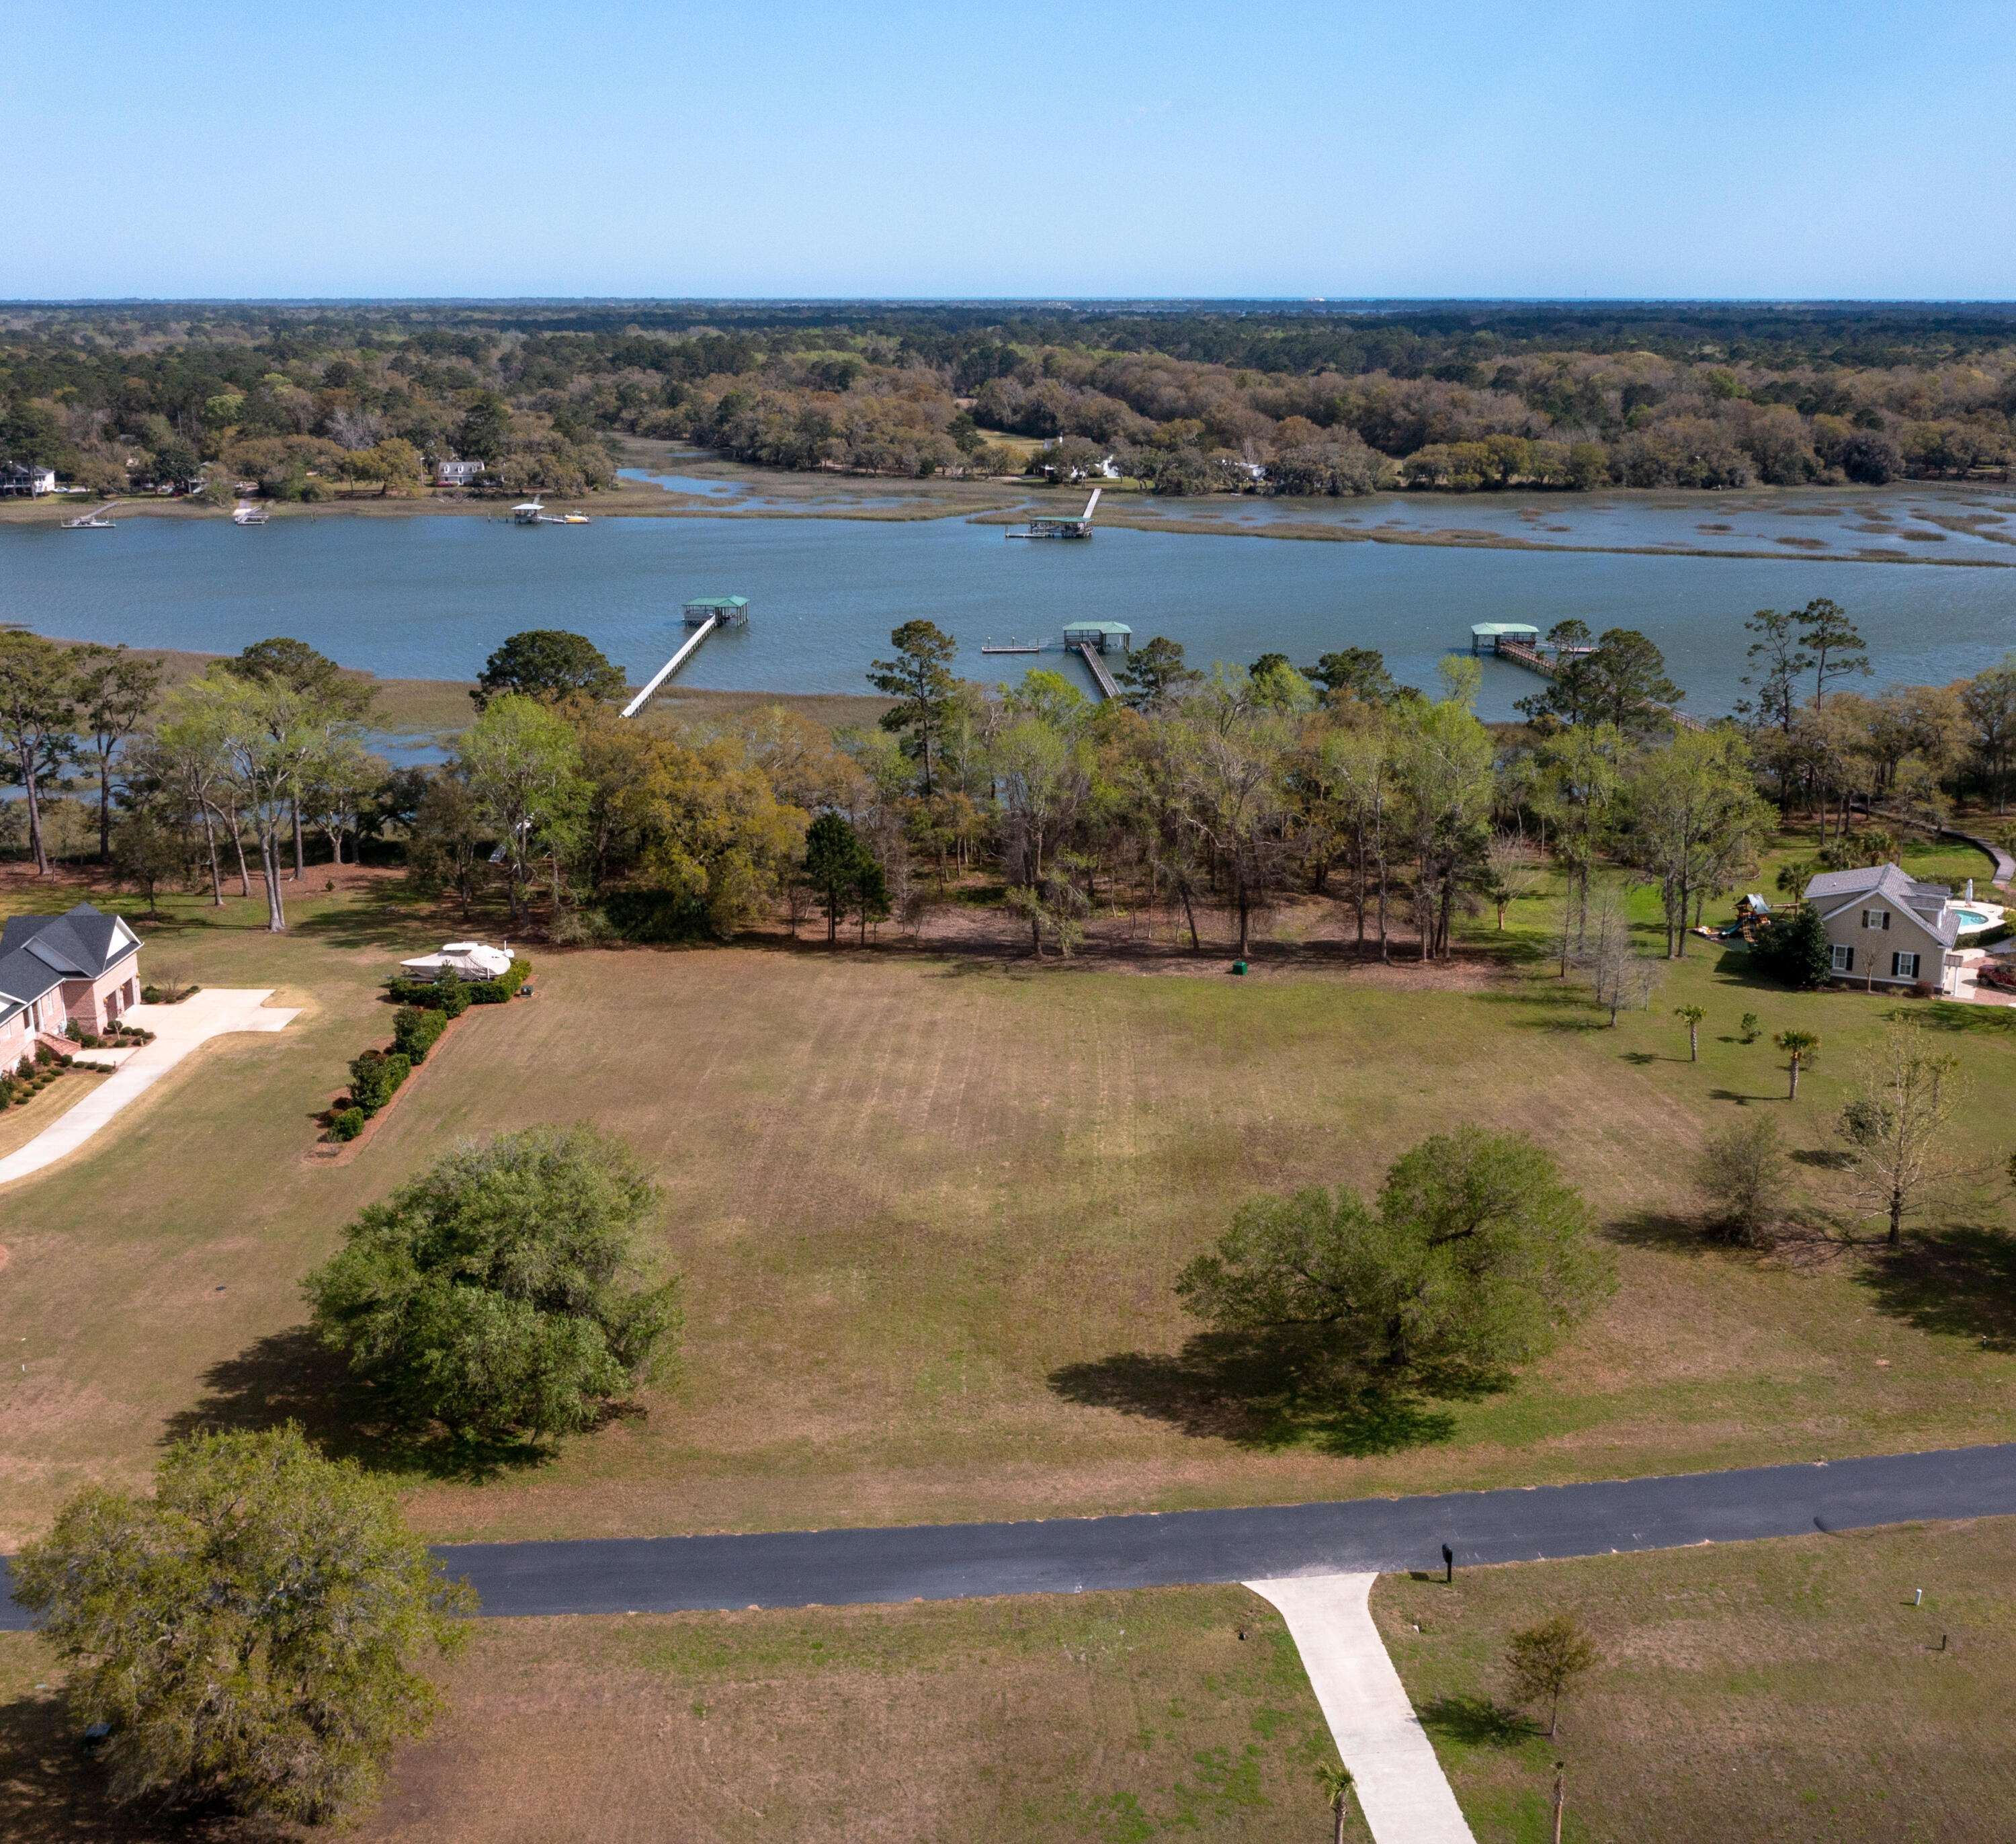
(1774, 1692)
(1113, 1718)
(930, 1208)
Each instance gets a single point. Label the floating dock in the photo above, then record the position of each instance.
(703, 614)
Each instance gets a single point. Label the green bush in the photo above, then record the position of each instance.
(415, 1031)
(346, 1123)
(504, 986)
(448, 996)
(375, 1079)
(44, 1054)
(1795, 947)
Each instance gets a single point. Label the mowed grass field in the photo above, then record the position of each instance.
(1773, 1692)
(1111, 1719)
(930, 1208)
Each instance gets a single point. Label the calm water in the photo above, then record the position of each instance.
(430, 597)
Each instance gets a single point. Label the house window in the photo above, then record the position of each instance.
(1844, 958)
(1903, 967)
(1875, 918)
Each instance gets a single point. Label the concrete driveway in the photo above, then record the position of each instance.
(177, 1029)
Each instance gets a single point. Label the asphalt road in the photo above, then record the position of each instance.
(1066, 1555)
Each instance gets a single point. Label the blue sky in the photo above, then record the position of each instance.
(1776, 148)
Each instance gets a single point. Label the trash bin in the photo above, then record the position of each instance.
(1238, 966)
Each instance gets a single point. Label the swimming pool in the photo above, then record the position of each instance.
(1970, 918)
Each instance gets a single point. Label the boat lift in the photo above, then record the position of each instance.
(1076, 525)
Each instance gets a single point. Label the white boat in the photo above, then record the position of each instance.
(245, 514)
(528, 512)
(90, 522)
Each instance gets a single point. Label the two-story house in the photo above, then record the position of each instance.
(1885, 928)
(83, 964)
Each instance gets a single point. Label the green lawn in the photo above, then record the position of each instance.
(1773, 1692)
(930, 1208)
(1098, 1719)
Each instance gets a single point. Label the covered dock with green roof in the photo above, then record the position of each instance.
(1102, 636)
(727, 610)
(1491, 636)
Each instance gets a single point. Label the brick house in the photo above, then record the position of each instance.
(83, 965)
(1886, 928)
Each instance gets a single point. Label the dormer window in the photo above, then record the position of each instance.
(1877, 919)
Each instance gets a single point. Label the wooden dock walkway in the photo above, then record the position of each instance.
(687, 649)
(1096, 667)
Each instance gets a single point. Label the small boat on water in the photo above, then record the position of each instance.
(246, 514)
(91, 521)
(531, 512)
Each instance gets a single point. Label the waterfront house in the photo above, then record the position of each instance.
(19, 478)
(82, 965)
(1886, 928)
(457, 474)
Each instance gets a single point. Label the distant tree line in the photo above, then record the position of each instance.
(1464, 397)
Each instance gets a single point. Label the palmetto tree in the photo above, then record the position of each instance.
(1802, 1047)
(1336, 1783)
(1691, 1016)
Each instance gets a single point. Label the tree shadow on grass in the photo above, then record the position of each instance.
(1960, 1021)
(379, 917)
(292, 1376)
(1230, 1387)
(52, 1792)
(1659, 1228)
(1477, 1722)
(1962, 1282)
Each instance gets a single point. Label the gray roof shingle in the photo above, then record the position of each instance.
(1927, 902)
(39, 952)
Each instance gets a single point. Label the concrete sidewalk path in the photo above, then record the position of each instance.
(177, 1029)
(1400, 1787)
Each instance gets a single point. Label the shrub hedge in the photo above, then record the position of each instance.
(374, 1077)
(346, 1123)
(454, 996)
(416, 1031)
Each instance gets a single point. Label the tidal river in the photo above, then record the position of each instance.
(430, 597)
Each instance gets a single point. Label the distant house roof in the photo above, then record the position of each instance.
(37, 953)
(1832, 892)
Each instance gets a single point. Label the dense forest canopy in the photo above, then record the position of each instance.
(1295, 399)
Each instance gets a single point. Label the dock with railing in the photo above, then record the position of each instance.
(705, 615)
